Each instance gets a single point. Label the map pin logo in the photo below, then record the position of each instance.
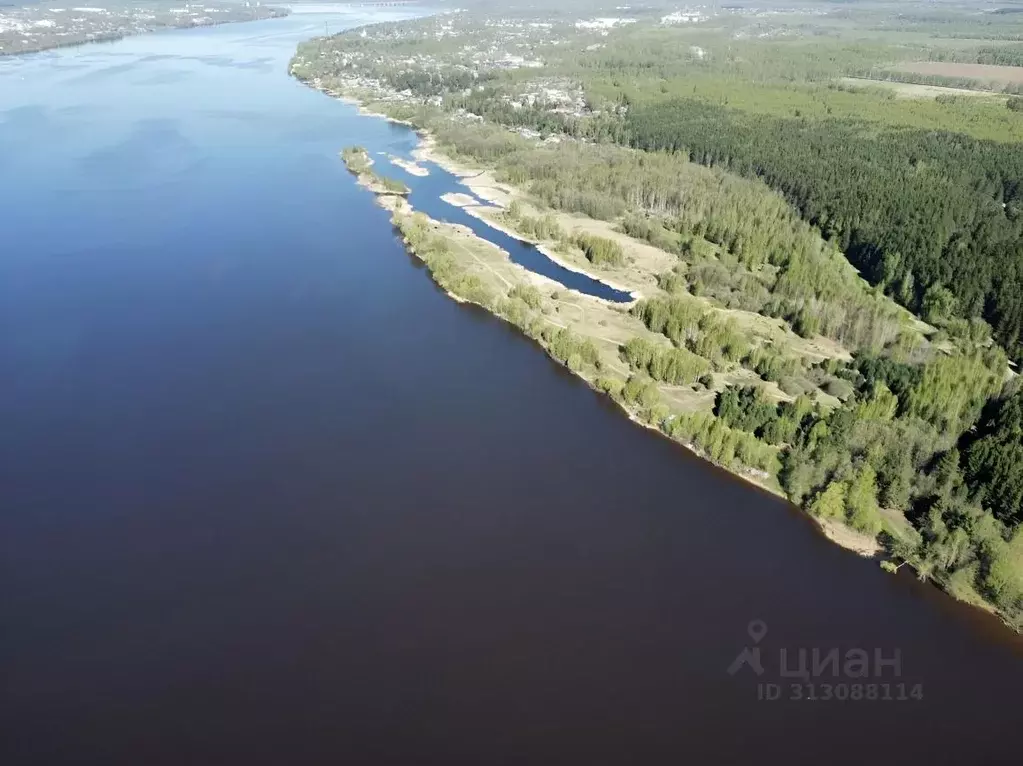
(757, 629)
(750, 656)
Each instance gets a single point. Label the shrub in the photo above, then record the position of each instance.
(676, 366)
(393, 185)
(613, 387)
(838, 388)
(527, 294)
(640, 390)
(600, 250)
(745, 408)
(793, 386)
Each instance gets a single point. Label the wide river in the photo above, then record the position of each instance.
(269, 497)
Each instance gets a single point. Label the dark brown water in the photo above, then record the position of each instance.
(269, 497)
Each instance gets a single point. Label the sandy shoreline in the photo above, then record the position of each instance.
(427, 151)
(409, 167)
(841, 536)
(848, 538)
(369, 160)
(838, 534)
(459, 200)
(476, 211)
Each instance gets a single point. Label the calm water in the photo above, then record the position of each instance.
(269, 497)
(426, 192)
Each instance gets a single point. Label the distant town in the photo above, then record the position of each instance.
(39, 27)
(389, 62)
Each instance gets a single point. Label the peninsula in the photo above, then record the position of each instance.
(767, 335)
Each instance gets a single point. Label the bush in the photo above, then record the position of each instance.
(515, 311)
(471, 288)
(653, 232)
(599, 250)
(356, 159)
(771, 365)
(640, 390)
(1002, 578)
(672, 282)
(675, 366)
(541, 227)
(563, 345)
(720, 341)
(794, 386)
(527, 294)
(721, 443)
(745, 408)
(393, 185)
(611, 386)
(649, 396)
(838, 388)
(806, 324)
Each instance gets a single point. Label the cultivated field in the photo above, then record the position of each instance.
(913, 90)
(998, 75)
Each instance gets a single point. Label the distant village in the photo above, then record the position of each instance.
(36, 28)
(484, 46)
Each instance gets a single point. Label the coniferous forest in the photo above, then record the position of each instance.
(914, 210)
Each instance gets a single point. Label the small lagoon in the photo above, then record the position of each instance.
(426, 196)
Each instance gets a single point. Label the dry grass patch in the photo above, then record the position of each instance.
(913, 90)
(988, 73)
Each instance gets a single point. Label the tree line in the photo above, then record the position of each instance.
(911, 209)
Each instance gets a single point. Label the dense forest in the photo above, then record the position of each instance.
(913, 210)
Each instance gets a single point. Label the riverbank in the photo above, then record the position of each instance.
(33, 29)
(606, 327)
(492, 216)
(682, 413)
(409, 167)
(360, 164)
(460, 240)
(582, 333)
